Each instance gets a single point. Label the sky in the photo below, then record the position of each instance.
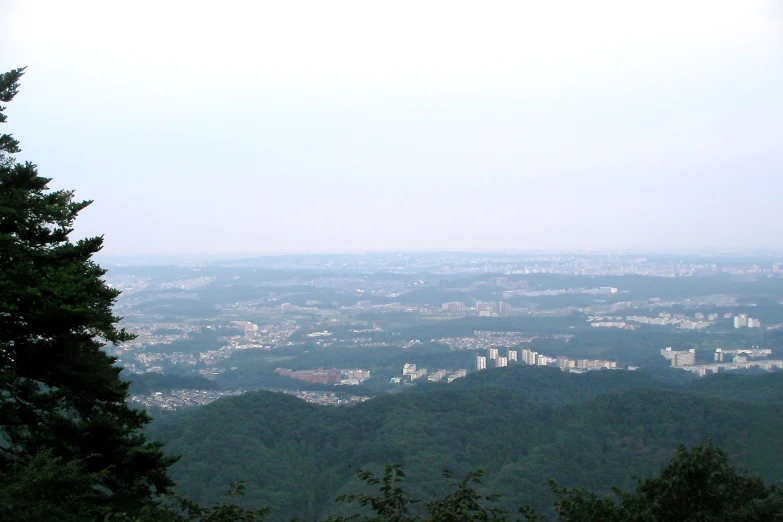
(238, 128)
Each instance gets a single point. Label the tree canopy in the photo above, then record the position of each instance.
(698, 484)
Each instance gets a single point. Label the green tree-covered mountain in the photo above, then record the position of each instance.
(521, 425)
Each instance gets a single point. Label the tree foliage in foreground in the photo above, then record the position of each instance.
(698, 485)
(179, 509)
(392, 503)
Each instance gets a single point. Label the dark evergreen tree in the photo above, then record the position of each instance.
(60, 393)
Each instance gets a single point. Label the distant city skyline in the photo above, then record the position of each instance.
(301, 128)
(771, 252)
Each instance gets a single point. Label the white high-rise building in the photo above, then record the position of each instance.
(501, 362)
(457, 375)
(493, 353)
(680, 358)
(512, 355)
(481, 363)
(684, 358)
(455, 307)
(486, 309)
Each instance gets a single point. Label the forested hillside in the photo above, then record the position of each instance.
(550, 385)
(144, 383)
(521, 425)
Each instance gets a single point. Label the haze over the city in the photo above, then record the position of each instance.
(321, 127)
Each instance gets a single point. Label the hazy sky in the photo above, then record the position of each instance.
(261, 127)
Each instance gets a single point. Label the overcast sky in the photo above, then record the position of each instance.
(270, 127)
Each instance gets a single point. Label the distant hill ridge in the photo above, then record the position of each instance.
(550, 385)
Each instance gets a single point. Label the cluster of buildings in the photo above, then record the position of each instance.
(482, 340)
(741, 359)
(187, 284)
(150, 362)
(482, 308)
(155, 333)
(737, 363)
(326, 398)
(446, 374)
(493, 308)
(288, 307)
(608, 322)
(250, 330)
(178, 399)
(410, 373)
(534, 358)
(493, 354)
(583, 365)
(680, 358)
(743, 321)
(698, 322)
(454, 307)
(324, 333)
(742, 355)
(324, 376)
(139, 355)
(694, 325)
(502, 282)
